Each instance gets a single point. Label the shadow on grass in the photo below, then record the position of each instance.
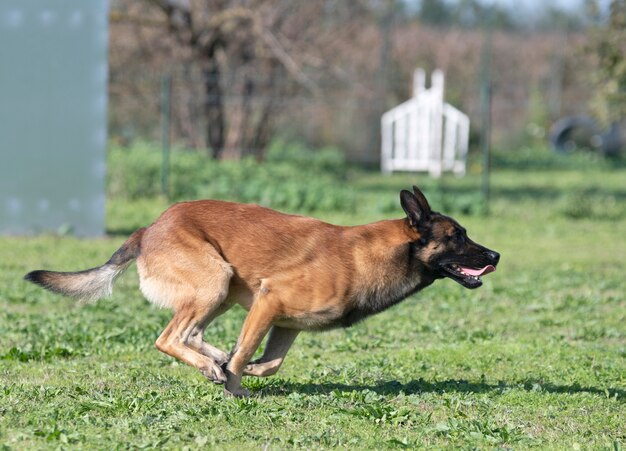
(448, 386)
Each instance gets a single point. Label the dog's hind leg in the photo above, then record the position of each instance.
(195, 285)
(278, 344)
(196, 342)
(173, 341)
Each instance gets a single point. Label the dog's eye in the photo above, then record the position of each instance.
(459, 237)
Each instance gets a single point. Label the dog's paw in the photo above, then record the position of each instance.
(214, 373)
(221, 359)
(261, 368)
(237, 392)
(252, 368)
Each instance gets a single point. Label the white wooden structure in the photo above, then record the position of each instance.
(424, 133)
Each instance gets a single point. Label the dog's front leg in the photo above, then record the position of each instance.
(278, 345)
(256, 325)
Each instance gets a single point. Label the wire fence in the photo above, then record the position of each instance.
(339, 113)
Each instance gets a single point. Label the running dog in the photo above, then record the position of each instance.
(291, 273)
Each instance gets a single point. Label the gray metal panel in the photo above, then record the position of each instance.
(53, 115)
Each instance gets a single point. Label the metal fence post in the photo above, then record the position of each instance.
(485, 102)
(166, 123)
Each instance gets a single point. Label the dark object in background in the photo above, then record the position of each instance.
(571, 132)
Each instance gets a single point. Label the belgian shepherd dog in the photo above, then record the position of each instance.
(290, 272)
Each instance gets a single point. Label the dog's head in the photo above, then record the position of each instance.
(442, 245)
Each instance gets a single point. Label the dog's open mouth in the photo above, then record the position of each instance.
(467, 276)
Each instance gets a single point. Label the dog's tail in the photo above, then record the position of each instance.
(91, 284)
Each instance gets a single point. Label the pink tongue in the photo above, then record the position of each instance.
(478, 272)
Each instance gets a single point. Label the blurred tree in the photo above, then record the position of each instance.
(553, 18)
(608, 45)
(435, 12)
(538, 115)
(351, 61)
(466, 13)
(262, 45)
(472, 13)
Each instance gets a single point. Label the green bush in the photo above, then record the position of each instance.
(453, 201)
(292, 177)
(543, 159)
(133, 173)
(589, 204)
(329, 160)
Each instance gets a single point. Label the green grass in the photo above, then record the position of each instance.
(534, 358)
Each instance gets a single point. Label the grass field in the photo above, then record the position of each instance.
(534, 358)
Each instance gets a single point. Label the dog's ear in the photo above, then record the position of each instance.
(414, 208)
(421, 199)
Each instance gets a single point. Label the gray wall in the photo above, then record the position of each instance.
(53, 115)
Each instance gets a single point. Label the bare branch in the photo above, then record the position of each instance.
(170, 5)
(223, 24)
(288, 62)
(178, 13)
(118, 16)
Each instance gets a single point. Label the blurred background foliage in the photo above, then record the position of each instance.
(322, 73)
(279, 182)
(279, 102)
(607, 44)
(295, 178)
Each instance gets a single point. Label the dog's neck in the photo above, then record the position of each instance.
(395, 274)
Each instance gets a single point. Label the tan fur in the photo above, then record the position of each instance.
(295, 272)
(291, 272)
